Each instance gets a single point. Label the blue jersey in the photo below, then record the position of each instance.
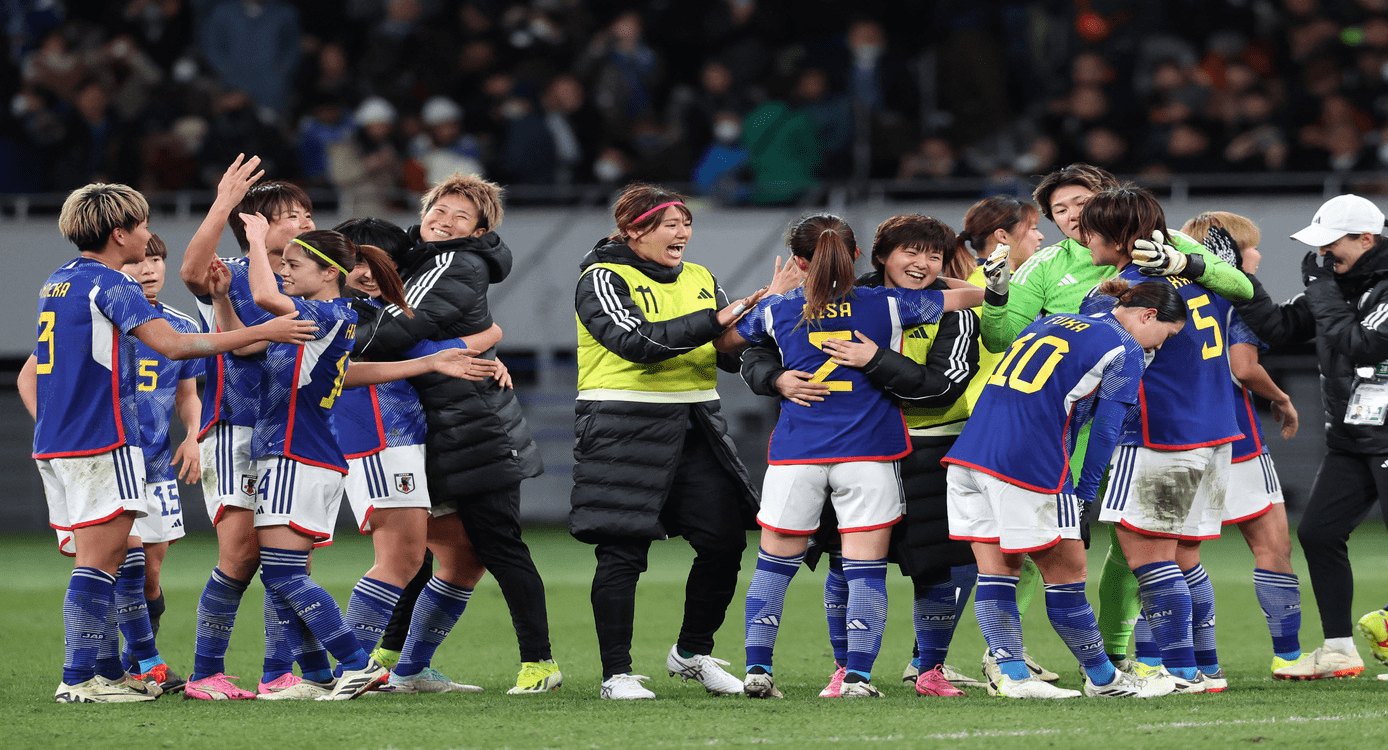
(856, 422)
(86, 360)
(1186, 401)
(301, 385)
(1044, 390)
(156, 386)
(1251, 445)
(232, 392)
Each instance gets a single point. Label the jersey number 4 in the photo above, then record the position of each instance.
(1009, 372)
(817, 339)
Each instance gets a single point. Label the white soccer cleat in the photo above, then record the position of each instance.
(297, 689)
(761, 686)
(354, 682)
(429, 680)
(626, 687)
(704, 669)
(959, 679)
(1217, 682)
(910, 673)
(1129, 686)
(1038, 670)
(859, 690)
(1321, 664)
(1031, 687)
(99, 690)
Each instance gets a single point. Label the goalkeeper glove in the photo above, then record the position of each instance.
(1156, 257)
(997, 272)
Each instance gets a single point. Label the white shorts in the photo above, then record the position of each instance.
(298, 495)
(392, 478)
(983, 508)
(1253, 489)
(228, 474)
(1172, 494)
(866, 495)
(165, 520)
(91, 490)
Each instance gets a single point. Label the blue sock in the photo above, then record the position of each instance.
(836, 608)
(132, 612)
(281, 638)
(108, 653)
(86, 611)
(439, 606)
(867, 612)
(963, 577)
(1202, 619)
(1279, 596)
(995, 607)
(286, 571)
(369, 608)
(932, 612)
(312, 657)
(1073, 620)
(766, 595)
(1166, 602)
(216, 616)
(1145, 649)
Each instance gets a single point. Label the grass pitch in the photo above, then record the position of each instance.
(482, 650)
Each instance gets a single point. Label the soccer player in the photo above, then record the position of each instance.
(1254, 498)
(80, 386)
(1168, 477)
(845, 447)
(1010, 490)
(164, 388)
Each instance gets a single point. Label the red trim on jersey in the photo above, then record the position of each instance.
(115, 380)
(853, 529)
(1023, 550)
(217, 402)
(62, 542)
(311, 462)
(85, 524)
(380, 429)
(73, 454)
(1146, 434)
(1250, 516)
(1124, 523)
(328, 543)
(789, 532)
(1014, 482)
(1245, 459)
(217, 517)
(1257, 434)
(366, 519)
(905, 434)
(289, 423)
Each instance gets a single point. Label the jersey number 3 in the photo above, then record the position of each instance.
(817, 339)
(47, 320)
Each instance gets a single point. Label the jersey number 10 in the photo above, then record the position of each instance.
(1009, 372)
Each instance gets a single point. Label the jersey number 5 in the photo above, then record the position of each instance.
(1214, 349)
(147, 371)
(1020, 355)
(817, 339)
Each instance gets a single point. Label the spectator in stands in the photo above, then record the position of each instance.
(625, 72)
(720, 172)
(832, 116)
(368, 167)
(443, 148)
(254, 46)
(785, 154)
(98, 147)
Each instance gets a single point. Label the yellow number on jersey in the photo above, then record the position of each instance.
(1020, 354)
(327, 401)
(147, 371)
(48, 320)
(817, 339)
(1211, 350)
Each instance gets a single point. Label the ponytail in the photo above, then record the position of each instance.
(385, 276)
(830, 276)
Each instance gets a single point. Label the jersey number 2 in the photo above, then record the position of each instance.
(817, 339)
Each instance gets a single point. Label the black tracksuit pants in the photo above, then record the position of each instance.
(1345, 489)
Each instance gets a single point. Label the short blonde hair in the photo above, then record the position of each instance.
(486, 195)
(1242, 229)
(91, 213)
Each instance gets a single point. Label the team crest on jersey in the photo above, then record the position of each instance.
(248, 485)
(405, 483)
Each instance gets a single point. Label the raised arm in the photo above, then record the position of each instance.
(264, 290)
(202, 249)
(1277, 325)
(162, 338)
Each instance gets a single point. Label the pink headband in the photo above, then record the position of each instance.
(638, 219)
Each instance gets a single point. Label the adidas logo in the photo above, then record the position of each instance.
(917, 333)
(1068, 279)
(1001, 654)
(703, 294)
(1383, 465)
(856, 624)
(771, 620)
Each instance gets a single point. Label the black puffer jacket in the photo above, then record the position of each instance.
(626, 452)
(478, 438)
(1348, 317)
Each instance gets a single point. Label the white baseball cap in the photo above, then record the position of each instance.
(374, 111)
(1339, 216)
(440, 109)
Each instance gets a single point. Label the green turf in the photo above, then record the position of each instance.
(482, 650)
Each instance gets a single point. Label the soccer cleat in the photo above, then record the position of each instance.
(1031, 687)
(290, 687)
(1217, 682)
(626, 687)
(992, 673)
(1037, 670)
(707, 670)
(429, 680)
(1125, 685)
(537, 677)
(138, 685)
(1374, 626)
(354, 682)
(168, 680)
(1321, 664)
(959, 679)
(762, 686)
(835, 686)
(934, 682)
(99, 690)
(1124, 665)
(385, 657)
(910, 673)
(218, 687)
(859, 690)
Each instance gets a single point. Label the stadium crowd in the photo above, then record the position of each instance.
(748, 100)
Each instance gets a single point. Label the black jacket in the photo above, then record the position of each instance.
(478, 438)
(626, 452)
(1347, 315)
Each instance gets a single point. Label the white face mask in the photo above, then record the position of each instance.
(727, 131)
(607, 170)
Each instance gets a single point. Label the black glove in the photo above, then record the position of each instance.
(1312, 270)
(1087, 517)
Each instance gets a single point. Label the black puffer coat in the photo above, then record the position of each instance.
(478, 438)
(626, 452)
(1348, 317)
